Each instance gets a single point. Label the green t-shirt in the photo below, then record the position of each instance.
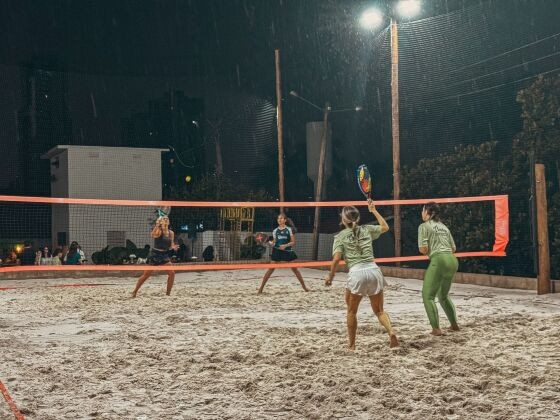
(347, 244)
(436, 236)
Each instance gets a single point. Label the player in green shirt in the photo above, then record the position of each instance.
(436, 241)
(355, 244)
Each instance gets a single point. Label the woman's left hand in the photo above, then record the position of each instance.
(282, 247)
(328, 280)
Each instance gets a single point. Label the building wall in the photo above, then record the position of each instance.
(114, 173)
(105, 173)
(59, 175)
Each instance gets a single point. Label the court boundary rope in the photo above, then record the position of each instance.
(3, 289)
(11, 403)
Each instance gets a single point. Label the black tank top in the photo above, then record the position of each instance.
(163, 242)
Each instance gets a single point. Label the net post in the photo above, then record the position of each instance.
(543, 279)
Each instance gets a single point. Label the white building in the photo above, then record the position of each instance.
(96, 172)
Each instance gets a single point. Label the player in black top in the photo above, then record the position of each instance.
(164, 241)
(284, 239)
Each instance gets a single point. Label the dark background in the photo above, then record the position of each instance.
(112, 59)
(188, 74)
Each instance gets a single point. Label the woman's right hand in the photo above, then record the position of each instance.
(370, 205)
(329, 279)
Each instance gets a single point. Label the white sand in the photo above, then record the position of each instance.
(217, 350)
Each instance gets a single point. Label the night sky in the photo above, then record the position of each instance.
(125, 53)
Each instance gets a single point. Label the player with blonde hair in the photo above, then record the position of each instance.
(355, 244)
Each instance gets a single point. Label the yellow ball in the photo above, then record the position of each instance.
(188, 179)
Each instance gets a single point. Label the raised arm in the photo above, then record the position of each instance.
(156, 231)
(380, 219)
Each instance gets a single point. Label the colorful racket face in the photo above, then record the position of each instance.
(364, 180)
(261, 238)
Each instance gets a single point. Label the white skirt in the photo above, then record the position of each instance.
(365, 279)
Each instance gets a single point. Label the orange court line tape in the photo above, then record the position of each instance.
(55, 200)
(11, 402)
(80, 284)
(208, 267)
(2, 289)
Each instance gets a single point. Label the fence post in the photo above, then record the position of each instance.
(543, 279)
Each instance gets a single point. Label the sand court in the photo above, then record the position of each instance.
(215, 349)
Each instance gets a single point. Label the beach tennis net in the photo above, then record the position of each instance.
(115, 234)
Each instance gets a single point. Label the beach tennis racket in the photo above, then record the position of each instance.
(160, 212)
(364, 180)
(164, 211)
(262, 238)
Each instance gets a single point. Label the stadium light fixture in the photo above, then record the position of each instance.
(408, 8)
(371, 18)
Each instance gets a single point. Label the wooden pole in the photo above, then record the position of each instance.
(320, 177)
(279, 128)
(533, 214)
(396, 133)
(543, 279)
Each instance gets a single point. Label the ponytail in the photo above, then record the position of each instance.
(356, 235)
(291, 224)
(351, 218)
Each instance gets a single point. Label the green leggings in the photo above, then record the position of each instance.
(437, 281)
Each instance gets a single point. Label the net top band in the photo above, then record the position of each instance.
(93, 201)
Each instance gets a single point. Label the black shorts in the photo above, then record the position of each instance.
(158, 257)
(281, 255)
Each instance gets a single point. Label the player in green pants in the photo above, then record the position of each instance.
(435, 240)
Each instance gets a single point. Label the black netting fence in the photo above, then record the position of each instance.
(479, 98)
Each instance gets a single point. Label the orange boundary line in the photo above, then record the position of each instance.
(207, 267)
(2, 289)
(54, 200)
(79, 284)
(11, 402)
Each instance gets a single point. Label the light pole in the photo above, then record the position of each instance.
(327, 110)
(372, 19)
(279, 127)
